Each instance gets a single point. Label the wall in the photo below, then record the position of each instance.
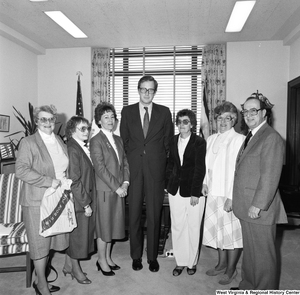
(57, 80)
(262, 66)
(18, 83)
(295, 60)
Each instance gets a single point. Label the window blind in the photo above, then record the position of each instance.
(177, 70)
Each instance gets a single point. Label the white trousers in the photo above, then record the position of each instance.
(185, 228)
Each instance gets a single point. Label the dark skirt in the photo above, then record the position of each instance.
(82, 237)
(39, 246)
(110, 216)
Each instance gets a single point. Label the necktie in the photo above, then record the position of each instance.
(146, 122)
(249, 135)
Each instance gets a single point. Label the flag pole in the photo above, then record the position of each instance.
(79, 105)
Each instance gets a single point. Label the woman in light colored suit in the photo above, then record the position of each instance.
(112, 180)
(42, 162)
(185, 173)
(81, 172)
(222, 229)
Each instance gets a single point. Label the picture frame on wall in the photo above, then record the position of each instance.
(6, 151)
(4, 123)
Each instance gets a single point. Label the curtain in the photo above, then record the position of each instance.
(100, 76)
(213, 81)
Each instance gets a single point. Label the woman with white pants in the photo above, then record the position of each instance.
(185, 174)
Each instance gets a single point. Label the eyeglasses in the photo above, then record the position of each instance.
(83, 129)
(226, 119)
(45, 120)
(251, 112)
(145, 90)
(184, 122)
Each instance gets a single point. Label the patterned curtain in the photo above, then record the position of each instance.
(100, 76)
(213, 81)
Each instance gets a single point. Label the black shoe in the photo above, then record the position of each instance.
(105, 273)
(137, 264)
(53, 288)
(114, 267)
(177, 271)
(153, 265)
(191, 271)
(235, 288)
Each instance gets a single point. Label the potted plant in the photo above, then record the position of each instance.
(29, 126)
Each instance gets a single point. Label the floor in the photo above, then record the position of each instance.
(126, 281)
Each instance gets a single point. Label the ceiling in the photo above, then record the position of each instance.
(123, 23)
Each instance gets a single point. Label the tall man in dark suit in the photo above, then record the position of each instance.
(146, 129)
(256, 199)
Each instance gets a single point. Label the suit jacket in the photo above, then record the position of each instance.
(257, 177)
(188, 177)
(81, 171)
(110, 174)
(35, 167)
(156, 144)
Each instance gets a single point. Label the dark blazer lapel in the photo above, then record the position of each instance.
(189, 147)
(77, 146)
(134, 114)
(155, 115)
(119, 148)
(110, 148)
(253, 141)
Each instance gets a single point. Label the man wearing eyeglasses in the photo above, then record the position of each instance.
(146, 129)
(256, 199)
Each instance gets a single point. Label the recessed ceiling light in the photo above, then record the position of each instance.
(38, 0)
(239, 15)
(66, 24)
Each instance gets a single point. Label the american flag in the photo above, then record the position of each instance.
(79, 106)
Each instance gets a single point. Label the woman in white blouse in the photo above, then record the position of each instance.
(185, 173)
(222, 230)
(112, 180)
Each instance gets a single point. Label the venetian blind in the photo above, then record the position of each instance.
(177, 70)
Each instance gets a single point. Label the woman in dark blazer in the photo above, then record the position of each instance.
(81, 172)
(42, 163)
(185, 173)
(112, 180)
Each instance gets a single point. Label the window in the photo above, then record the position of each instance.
(177, 70)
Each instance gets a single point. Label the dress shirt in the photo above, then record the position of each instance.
(143, 111)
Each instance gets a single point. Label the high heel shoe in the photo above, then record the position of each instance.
(114, 267)
(35, 287)
(84, 282)
(105, 273)
(66, 272)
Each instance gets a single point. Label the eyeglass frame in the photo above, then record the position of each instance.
(145, 90)
(221, 119)
(84, 128)
(184, 121)
(44, 120)
(252, 112)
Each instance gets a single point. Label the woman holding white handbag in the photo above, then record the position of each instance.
(42, 162)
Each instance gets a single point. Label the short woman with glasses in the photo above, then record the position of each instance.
(222, 230)
(185, 173)
(112, 181)
(81, 172)
(42, 163)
